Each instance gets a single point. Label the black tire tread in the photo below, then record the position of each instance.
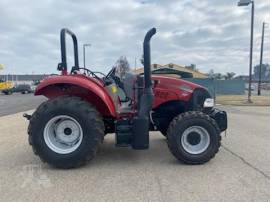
(83, 107)
(171, 141)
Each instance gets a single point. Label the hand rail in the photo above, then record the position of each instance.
(63, 65)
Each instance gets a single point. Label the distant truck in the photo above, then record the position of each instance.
(23, 88)
(5, 85)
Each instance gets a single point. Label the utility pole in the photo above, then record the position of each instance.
(251, 52)
(246, 3)
(261, 59)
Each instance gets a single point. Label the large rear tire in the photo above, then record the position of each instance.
(193, 137)
(66, 132)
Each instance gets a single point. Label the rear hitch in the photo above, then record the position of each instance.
(27, 116)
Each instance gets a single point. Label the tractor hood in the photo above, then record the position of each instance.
(169, 82)
(168, 89)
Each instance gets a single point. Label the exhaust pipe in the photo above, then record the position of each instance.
(141, 123)
(148, 96)
(147, 57)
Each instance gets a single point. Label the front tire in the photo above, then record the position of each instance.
(193, 137)
(66, 132)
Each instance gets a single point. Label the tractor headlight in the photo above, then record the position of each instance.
(209, 102)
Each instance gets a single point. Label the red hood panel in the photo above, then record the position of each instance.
(171, 89)
(169, 81)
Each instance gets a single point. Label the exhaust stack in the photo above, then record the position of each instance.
(147, 57)
(141, 123)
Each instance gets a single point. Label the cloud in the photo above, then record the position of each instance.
(214, 34)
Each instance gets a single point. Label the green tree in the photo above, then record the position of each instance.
(214, 75)
(229, 75)
(192, 67)
(265, 71)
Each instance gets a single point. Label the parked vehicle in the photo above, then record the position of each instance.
(5, 85)
(67, 130)
(23, 88)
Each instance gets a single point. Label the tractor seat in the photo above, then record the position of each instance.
(125, 103)
(126, 94)
(128, 83)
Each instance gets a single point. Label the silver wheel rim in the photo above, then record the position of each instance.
(195, 140)
(63, 134)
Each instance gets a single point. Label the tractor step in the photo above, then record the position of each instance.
(123, 133)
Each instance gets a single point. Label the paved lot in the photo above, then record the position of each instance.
(240, 171)
(10, 104)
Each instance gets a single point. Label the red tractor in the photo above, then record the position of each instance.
(67, 130)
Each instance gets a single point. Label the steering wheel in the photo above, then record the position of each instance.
(109, 78)
(112, 72)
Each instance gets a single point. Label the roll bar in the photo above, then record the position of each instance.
(63, 65)
(147, 57)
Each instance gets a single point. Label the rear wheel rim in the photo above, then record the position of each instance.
(195, 140)
(63, 134)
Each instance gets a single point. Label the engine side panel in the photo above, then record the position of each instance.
(170, 89)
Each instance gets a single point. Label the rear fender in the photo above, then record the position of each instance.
(83, 87)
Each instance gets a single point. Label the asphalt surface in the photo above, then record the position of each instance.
(10, 104)
(239, 172)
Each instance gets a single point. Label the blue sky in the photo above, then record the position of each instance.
(213, 34)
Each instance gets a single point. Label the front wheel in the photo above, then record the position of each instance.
(66, 132)
(193, 137)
